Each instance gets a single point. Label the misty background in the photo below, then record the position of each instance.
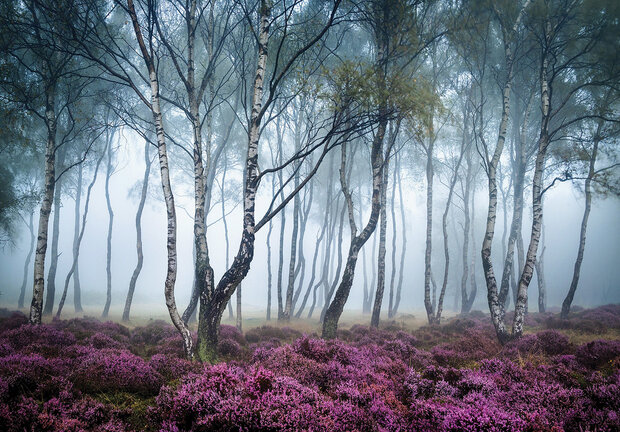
(599, 282)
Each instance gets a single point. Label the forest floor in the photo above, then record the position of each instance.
(82, 374)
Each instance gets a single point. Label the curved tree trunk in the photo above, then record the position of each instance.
(537, 206)
(22, 291)
(51, 275)
(401, 270)
(393, 268)
(76, 235)
(444, 226)
(76, 252)
(167, 190)
(108, 268)
(138, 269)
(568, 300)
(334, 311)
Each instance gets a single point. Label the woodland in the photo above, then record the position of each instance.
(337, 206)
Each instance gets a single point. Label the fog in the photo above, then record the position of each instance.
(599, 282)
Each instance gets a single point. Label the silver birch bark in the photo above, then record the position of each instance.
(496, 307)
(36, 306)
(537, 208)
(171, 270)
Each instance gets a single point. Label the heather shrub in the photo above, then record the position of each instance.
(598, 352)
(153, 333)
(545, 342)
(41, 335)
(172, 367)
(115, 370)
(12, 321)
(101, 340)
(268, 333)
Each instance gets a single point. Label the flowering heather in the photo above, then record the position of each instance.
(83, 374)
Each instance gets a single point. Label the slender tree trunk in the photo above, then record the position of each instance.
(138, 269)
(239, 316)
(213, 300)
(537, 207)
(288, 306)
(108, 269)
(428, 272)
(568, 300)
(22, 291)
(301, 265)
(542, 287)
(401, 270)
(368, 300)
(330, 224)
(444, 226)
(76, 235)
(465, 306)
(36, 306)
(336, 274)
(394, 243)
(496, 306)
(316, 249)
(376, 310)
(76, 246)
(334, 311)
(269, 275)
(51, 275)
(281, 264)
(167, 190)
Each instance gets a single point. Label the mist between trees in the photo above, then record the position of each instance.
(293, 160)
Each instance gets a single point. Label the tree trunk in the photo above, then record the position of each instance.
(214, 298)
(401, 270)
(239, 317)
(537, 208)
(108, 268)
(334, 311)
(393, 268)
(465, 300)
(496, 307)
(36, 306)
(336, 274)
(51, 275)
(269, 275)
(428, 272)
(318, 245)
(568, 300)
(76, 235)
(76, 250)
(444, 226)
(288, 306)
(301, 264)
(22, 291)
(542, 287)
(368, 300)
(138, 269)
(376, 310)
(167, 190)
